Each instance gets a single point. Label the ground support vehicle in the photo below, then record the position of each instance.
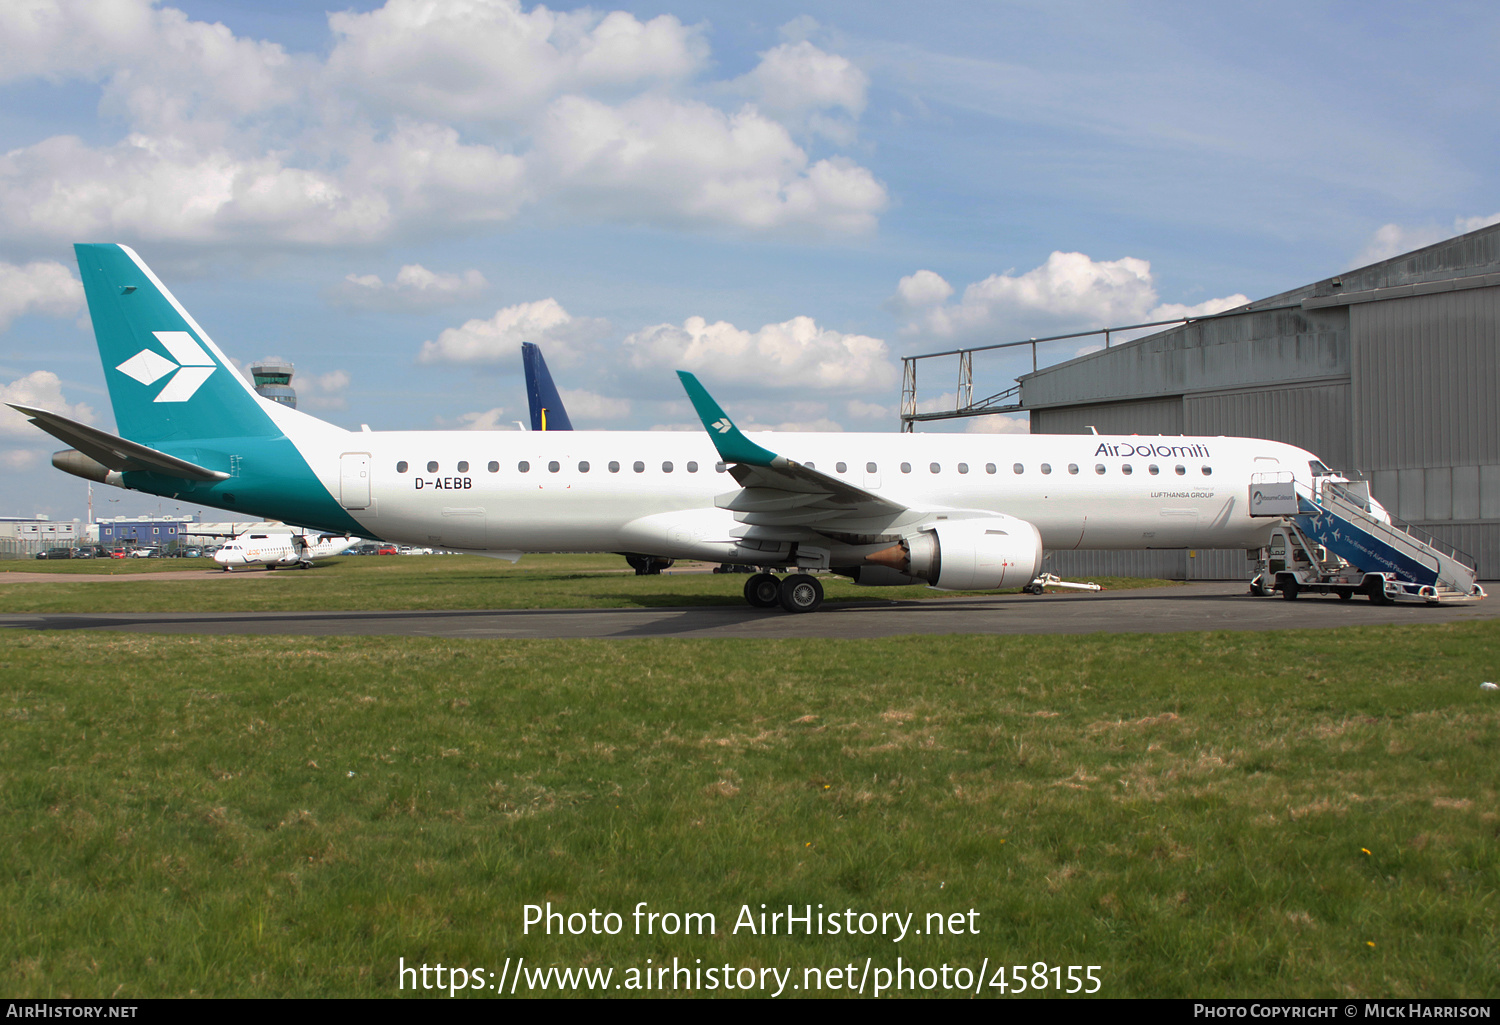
(1334, 539)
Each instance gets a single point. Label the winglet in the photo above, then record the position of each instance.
(733, 446)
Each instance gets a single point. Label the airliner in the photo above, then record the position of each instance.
(274, 548)
(956, 512)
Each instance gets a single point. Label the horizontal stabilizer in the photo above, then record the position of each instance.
(115, 452)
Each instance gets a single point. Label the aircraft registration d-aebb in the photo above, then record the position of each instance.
(280, 548)
(958, 512)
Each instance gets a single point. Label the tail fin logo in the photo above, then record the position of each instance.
(193, 366)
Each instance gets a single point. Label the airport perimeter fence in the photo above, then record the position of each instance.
(23, 548)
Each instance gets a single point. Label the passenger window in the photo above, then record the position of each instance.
(1126, 470)
(638, 466)
(494, 466)
(989, 467)
(935, 468)
(692, 467)
(720, 467)
(432, 467)
(841, 467)
(963, 467)
(401, 466)
(1208, 471)
(614, 466)
(1046, 467)
(1072, 467)
(463, 466)
(1018, 468)
(553, 466)
(583, 466)
(871, 468)
(666, 467)
(1153, 469)
(523, 466)
(906, 467)
(1098, 467)
(1181, 469)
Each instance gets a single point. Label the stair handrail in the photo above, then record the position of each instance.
(1417, 533)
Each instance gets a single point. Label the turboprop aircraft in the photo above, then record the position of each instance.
(958, 512)
(280, 548)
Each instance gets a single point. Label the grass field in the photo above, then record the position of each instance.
(362, 584)
(1303, 813)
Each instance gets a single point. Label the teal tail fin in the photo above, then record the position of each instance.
(168, 381)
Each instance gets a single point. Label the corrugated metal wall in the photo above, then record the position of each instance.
(1425, 390)
(1163, 564)
(1426, 379)
(1152, 416)
(1315, 418)
(1250, 349)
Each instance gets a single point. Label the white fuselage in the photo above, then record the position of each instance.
(583, 490)
(278, 548)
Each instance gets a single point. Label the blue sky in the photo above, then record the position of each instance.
(784, 197)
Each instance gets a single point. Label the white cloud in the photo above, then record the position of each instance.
(487, 60)
(924, 288)
(794, 354)
(822, 425)
(1394, 239)
(42, 389)
(861, 410)
(498, 340)
(658, 160)
(802, 84)
(998, 424)
(423, 116)
(43, 286)
(1070, 291)
(586, 405)
(324, 391)
(414, 288)
(489, 420)
(18, 459)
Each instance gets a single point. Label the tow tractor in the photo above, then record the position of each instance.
(1334, 538)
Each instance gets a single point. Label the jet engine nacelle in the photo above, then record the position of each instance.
(982, 554)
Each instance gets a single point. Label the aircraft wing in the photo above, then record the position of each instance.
(112, 451)
(777, 492)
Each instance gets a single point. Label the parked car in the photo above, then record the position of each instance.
(55, 553)
(387, 550)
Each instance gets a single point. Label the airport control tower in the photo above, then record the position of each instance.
(273, 380)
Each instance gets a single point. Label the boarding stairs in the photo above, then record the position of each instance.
(1340, 516)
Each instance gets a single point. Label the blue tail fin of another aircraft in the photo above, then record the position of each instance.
(547, 412)
(168, 381)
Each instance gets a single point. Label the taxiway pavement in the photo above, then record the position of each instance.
(1203, 606)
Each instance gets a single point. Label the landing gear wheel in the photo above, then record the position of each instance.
(801, 592)
(304, 565)
(763, 591)
(1290, 590)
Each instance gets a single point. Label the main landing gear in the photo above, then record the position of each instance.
(800, 592)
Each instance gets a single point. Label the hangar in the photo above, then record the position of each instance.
(1389, 372)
